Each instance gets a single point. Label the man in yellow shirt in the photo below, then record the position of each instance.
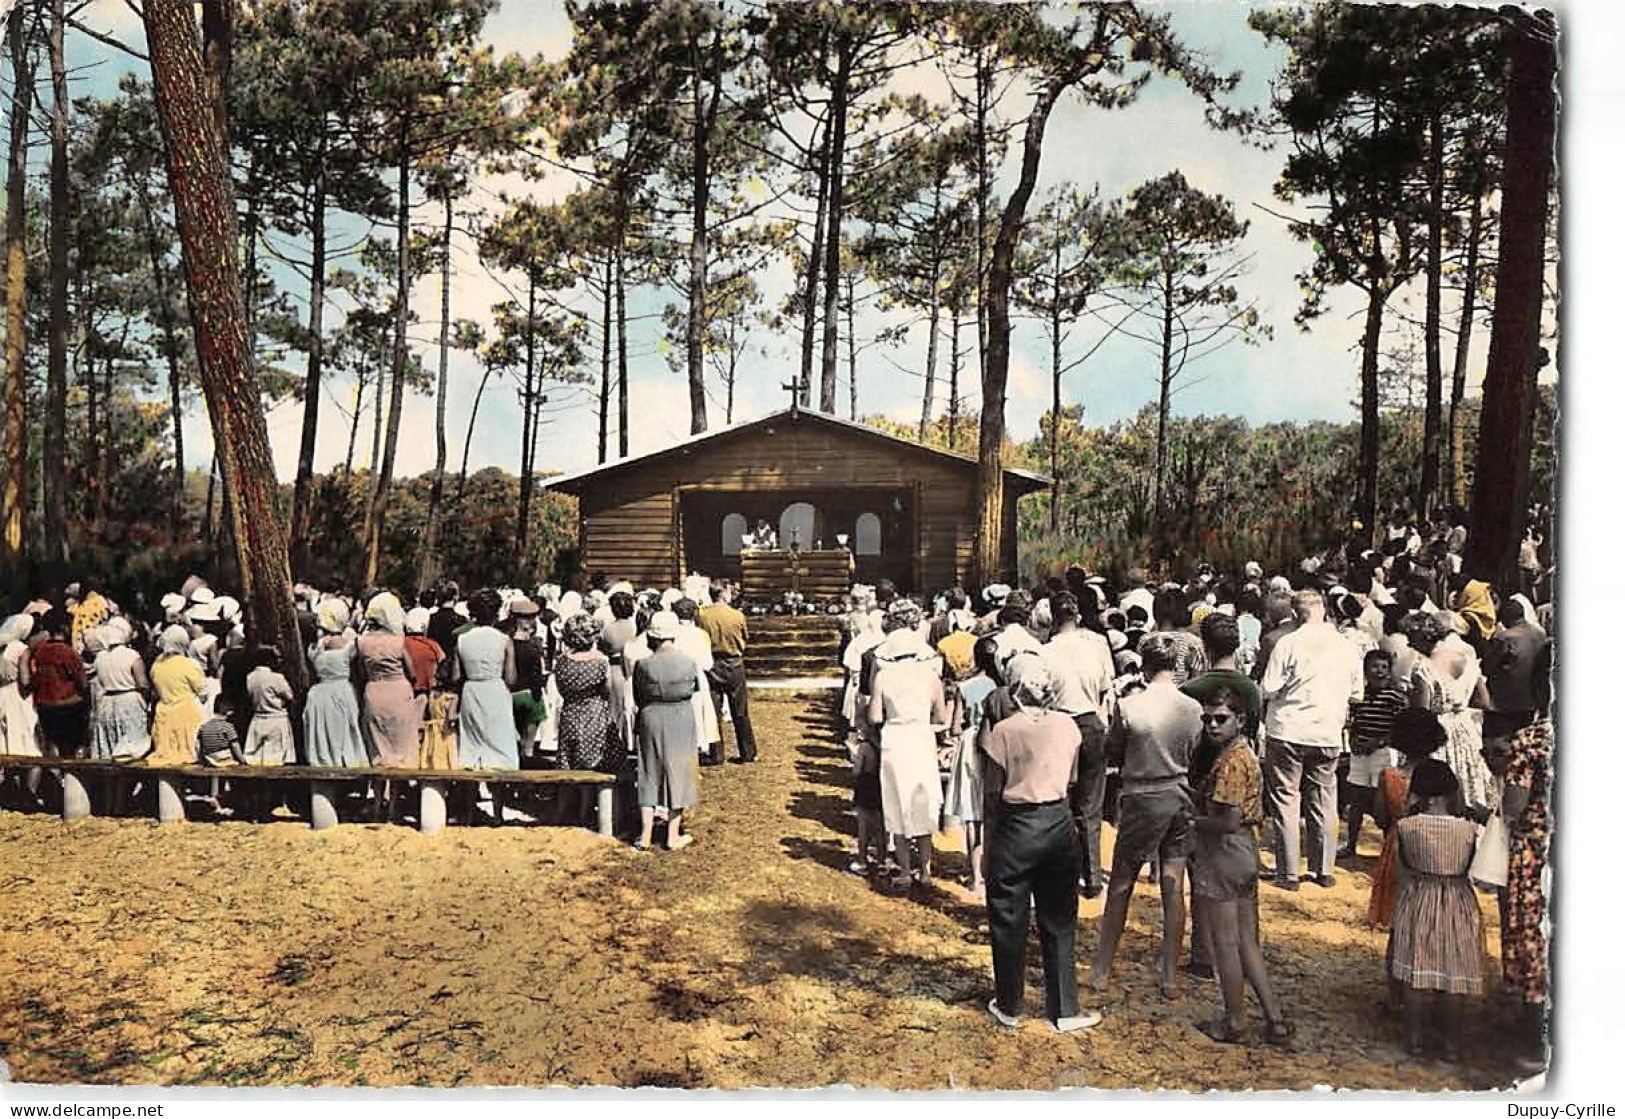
(726, 628)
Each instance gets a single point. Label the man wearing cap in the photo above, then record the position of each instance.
(1312, 675)
(728, 632)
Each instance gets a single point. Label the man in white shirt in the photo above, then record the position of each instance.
(1312, 674)
(1012, 635)
(1138, 594)
(1080, 663)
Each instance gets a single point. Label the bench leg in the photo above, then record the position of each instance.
(75, 799)
(171, 808)
(606, 810)
(431, 807)
(323, 813)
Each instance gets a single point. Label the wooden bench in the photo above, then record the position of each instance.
(323, 785)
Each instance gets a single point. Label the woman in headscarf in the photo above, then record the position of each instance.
(87, 608)
(61, 689)
(270, 738)
(908, 705)
(121, 711)
(1476, 603)
(178, 683)
(392, 715)
(484, 666)
(1443, 680)
(668, 751)
(332, 715)
(19, 724)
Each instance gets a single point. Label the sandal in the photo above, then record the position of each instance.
(1222, 1032)
(1279, 1034)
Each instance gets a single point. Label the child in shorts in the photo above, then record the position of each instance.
(1370, 722)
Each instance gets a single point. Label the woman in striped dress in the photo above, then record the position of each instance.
(1437, 946)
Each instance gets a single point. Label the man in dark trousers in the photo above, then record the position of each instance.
(726, 628)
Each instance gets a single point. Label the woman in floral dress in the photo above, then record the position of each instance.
(1523, 930)
(589, 737)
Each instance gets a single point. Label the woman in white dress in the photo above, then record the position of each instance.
(909, 706)
(694, 641)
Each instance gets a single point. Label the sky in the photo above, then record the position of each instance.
(1292, 375)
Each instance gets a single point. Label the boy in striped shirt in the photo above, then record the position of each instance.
(1371, 719)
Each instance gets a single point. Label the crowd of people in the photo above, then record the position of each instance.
(1213, 720)
(1227, 724)
(606, 679)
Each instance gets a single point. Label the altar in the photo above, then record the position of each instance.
(816, 576)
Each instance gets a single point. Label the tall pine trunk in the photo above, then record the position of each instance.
(623, 392)
(377, 429)
(933, 318)
(429, 557)
(189, 108)
(54, 464)
(468, 438)
(299, 523)
(527, 436)
(698, 251)
(815, 261)
(851, 344)
(1458, 371)
(1055, 396)
(1501, 477)
(983, 192)
(607, 319)
(1370, 419)
(1432, 423)
(355, 420)
(14, 478)
(832, 231)
(990, 523)
(1165, 384)
(172, 354)
(398, 356)
(953, 380)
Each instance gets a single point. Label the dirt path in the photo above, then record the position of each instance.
(270, 954)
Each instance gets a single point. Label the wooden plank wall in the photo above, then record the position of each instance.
(627, 519)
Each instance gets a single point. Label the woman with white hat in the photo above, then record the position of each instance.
(663, 684)
(908, 704)
(120, 732)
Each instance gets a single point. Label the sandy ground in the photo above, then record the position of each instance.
(370, 955)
